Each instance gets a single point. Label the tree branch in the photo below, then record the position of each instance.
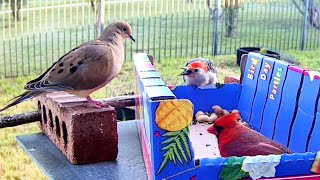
(18, 119)
(297, 6)
(29, 117)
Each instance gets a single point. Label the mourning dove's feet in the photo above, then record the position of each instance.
(97, 104)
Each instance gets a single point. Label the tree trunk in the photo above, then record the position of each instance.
(313, 12)
(231, 20)
(214, 11)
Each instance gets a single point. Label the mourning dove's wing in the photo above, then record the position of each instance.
(85, 68)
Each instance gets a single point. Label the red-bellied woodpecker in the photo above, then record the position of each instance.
(200, 72)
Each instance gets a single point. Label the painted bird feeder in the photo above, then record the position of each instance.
(277, 99)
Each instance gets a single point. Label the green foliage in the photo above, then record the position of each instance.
(308, 59)
(264, 50)
(174, 149)
(232, 169)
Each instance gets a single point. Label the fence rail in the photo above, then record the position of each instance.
(36, 33)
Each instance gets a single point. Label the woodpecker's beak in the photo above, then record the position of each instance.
(131, 37)
(186, 72)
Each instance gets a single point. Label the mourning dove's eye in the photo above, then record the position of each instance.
(124, 29)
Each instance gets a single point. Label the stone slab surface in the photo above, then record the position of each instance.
(128, 166)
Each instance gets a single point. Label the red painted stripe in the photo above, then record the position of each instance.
(307, 74)
(146, 155)
(306, 177)
(297, 69)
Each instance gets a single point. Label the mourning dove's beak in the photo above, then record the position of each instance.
(131, 37)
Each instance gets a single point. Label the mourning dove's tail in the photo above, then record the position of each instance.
(22, 97)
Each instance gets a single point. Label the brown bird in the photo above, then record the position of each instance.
(85, 68)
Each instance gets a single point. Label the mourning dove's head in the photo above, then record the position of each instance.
(120, 28)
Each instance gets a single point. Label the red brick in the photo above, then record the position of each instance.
(83, 134)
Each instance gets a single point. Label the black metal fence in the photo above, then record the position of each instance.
(36, 33)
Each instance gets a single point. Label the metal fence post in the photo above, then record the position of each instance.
(305, 21)
(216, 33)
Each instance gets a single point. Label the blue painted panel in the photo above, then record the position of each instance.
(148, 74)
(262, 92)
(203, 99)
(140, 57)
(210, 168)
(288, 104)
(300, 131)
(144, 66)
(159, 93)
(153, 146)
(142, 63)
(249, 84)
(158, 154)
(153, 82)
(305, 114)
(295, 164)
(314, 144)
(274, 98)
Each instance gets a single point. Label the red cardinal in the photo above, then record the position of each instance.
(236, 139)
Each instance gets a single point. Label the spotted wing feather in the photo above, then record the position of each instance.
(81, 68)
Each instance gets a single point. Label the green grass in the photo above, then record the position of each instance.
(274, 25)
(310, 59)
(14, 162)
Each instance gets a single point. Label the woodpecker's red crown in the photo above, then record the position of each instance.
(198, 65)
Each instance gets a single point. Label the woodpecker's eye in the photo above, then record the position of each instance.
(196, 70)
(124, 29)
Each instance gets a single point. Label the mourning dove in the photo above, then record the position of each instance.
(85, 68)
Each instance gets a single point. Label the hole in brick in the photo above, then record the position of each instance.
(57, 126)
(51, 119)
(65, 133)
(39, 105)
(44, 114)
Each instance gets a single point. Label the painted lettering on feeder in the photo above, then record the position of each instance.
(253, 68)
(266, 70)
(276, 82)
